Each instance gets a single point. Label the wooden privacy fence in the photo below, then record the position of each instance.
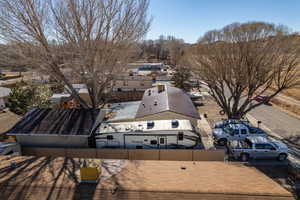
(129, 154)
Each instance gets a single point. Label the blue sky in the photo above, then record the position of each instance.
(189, 19)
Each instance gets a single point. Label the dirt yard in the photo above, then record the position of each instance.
(7, 120)
(212, 110)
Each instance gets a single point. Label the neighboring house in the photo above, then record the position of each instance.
(77, 87)
(158, 134)
(151, 68)
(131, 83)
(56, 127)
(166, 102)
(4, 94)
(65, 99)
(159, 103)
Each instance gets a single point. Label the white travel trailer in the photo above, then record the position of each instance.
(158, 134)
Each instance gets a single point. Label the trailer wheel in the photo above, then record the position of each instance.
(222, 142)
(244, 157)
(282, 157)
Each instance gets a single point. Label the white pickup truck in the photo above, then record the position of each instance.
(235, 132)
(7, 148)
(257, 147)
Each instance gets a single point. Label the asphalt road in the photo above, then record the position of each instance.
(278, 121)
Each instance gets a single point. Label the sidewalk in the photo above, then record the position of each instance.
(206, 133)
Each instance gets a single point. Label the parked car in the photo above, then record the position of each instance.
(235, 132)
(224, 123)
(257, 147)
(261, 98)
(7, 148)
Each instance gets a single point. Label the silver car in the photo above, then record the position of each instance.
(7, 148)
(257, 148)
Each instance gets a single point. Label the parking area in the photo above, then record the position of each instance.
(277, 170)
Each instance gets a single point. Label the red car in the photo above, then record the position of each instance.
(261, 98)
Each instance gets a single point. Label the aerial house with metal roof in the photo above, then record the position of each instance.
(56, 127)
(159, 103)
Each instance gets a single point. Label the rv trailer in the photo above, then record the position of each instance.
(158, 134)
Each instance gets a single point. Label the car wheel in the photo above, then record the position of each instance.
(244, 157)
(282, 157)
(222, 142)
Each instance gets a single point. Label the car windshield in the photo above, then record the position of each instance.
(276, 145)
(227, 129)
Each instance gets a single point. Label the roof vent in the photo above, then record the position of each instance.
(155, 103)
(149, 92)
(150, 124)
(175, 123)
(160, 88)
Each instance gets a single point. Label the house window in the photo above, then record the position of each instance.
(150, 124)
(110, 137)
(180, 136)
(119, 90)
(175, 123)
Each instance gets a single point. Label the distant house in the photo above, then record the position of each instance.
(124, 83)
(150, 68)
(4, 94)
(65, 99)
(158, 103)
(56, 127)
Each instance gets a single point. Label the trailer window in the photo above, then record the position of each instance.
(161, 140)
(110, 137)
(153, 142)
(180, 136)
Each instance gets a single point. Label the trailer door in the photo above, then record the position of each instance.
(162, 141)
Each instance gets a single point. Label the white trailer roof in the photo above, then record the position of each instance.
(146, 126)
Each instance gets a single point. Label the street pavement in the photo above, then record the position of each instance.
(278, 121)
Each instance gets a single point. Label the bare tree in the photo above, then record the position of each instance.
(165, 48)
(91, 38)
(176, 48)
(241, 61)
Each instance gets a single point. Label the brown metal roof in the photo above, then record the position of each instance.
(171, 99)
(56, 122)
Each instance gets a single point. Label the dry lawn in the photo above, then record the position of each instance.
(291, 108)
